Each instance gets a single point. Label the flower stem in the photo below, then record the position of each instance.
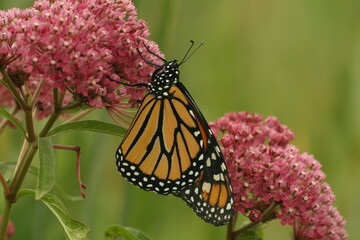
(80, 115)
(4, 184)
(5, 120)
(244, 229)
(230, 227)
(267, 213)
(12, 89)
(26, 156)
(19, 174)
(54, 116)
(37, 93)
(5, 219)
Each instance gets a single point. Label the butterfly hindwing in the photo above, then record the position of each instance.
(211, 196)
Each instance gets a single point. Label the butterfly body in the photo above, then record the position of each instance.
(162, 81)
(170, 149)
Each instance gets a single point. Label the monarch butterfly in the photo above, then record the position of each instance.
(170, 149)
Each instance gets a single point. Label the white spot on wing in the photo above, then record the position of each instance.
(206, 187)
(223, 166)
(208, 162)
(222, 177)
(192, 113)
(217, 148)
(228, 206)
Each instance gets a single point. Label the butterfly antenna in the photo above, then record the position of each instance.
(126, 84)
(187, 55)
(152, 53)
(148, 62)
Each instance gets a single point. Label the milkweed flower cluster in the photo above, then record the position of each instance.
(75, 46)
(266, 169)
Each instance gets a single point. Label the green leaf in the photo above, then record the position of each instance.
(74, 230)
(249, 235)
(46, 176)
(138, 233)
(35, 171)
(12, 165)
(12, 119)
(61, 192)
(127, 233)
(88, 125)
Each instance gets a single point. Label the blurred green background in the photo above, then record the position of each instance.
(296, 60)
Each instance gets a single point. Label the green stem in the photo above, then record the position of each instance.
(244, 229)
(5, 217)
(229, 230)
(5, 120)
(26, 156)
(57, 111)
(80, 115)
(21, 171)
(49, 124)
(12, 89)
(19, 175)
(37, 93)
(30, 128)
(266, 214)
(72, 105)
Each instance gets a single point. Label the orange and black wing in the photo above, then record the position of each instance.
(165, 146)
(211, 196)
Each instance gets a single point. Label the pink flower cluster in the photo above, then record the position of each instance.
(76, 46)
(265, 169)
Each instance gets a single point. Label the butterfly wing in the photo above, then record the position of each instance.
(164, 148)
(211, 196)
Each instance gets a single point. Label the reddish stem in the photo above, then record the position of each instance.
(3, 183)
(78, 168)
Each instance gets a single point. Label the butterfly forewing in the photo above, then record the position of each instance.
(173, 154)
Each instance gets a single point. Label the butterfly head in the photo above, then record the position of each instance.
(163, 78)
